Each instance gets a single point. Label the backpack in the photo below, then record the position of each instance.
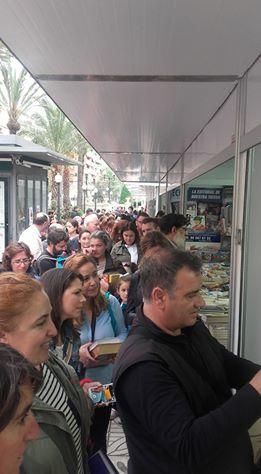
(59, 263)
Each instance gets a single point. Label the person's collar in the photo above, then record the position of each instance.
(157, 332)
(38, 230)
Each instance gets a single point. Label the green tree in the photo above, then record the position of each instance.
(52, 129)
(109, 184)
(125, 193)
(5, 54)
(18, 92)
(82, 148)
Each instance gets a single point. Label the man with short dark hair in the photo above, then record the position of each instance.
(32, 236)
(149, 224)
(174, 227)
(56, 245)
(140, 218)
(173, 381)
(150, 244)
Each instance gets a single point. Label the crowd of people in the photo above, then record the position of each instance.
(120, 277)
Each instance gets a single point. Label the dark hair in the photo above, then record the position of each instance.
(40, 218)
(15, 371)
(55, 282)
(152, 220)
(160, 213)
(11, 251)
(102, 236)
(161, 269)
(82, 231)
(116, 230)
(124, 279)
(154, 239)
(130, 226)
(74, 223)
(167, 222)
(57, 235)
(142, 214)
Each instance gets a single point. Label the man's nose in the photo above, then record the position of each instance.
(200, 302)
(52, 331)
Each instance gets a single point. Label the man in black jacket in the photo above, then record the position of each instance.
(56, 245)
(150, 244)
(173, 381)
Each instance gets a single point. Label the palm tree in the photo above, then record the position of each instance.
(82, 148)
(52, 129)
(5, 54)
(18, 92)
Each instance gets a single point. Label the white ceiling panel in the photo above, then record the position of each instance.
(135, 38)
(151, 118)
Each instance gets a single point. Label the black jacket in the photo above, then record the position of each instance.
(174, 398)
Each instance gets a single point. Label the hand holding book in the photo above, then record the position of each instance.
(101, 352)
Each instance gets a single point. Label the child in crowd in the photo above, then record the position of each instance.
(122, 291)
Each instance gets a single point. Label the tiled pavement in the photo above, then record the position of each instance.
(116, 447)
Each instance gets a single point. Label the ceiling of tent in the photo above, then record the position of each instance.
(139, 78)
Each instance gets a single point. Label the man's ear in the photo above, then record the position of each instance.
(3, 338)
(174, 230)
(158, 296)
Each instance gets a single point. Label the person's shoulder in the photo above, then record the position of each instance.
(45, 255)
(117, 246)
(113, 300)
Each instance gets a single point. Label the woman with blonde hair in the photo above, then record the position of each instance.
(60, 406)
(101, 319)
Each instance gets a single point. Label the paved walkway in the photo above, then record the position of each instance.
(117, 448)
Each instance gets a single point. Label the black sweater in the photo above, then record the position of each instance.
(164, 435)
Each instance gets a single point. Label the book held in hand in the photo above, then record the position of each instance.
(100, 463)
(105, 347)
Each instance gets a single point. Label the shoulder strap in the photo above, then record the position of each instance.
(113, 320)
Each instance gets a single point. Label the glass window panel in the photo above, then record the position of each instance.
(44, 196)
(30, 200)
(37, 185)
(252, 297)
(209, 208)
(21, 213)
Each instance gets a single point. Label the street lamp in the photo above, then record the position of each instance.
(84, 188)
(58, 179)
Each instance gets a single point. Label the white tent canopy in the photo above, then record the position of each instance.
(138, 78)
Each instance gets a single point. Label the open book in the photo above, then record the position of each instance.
(105, 347)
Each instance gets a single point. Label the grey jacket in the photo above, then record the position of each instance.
(53, 452)
(121, 253)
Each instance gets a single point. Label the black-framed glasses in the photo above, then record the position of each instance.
(21, 260)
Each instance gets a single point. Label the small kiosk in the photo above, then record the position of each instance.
(23, 184)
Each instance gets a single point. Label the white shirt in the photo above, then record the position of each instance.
(133, 252)
(32, 237)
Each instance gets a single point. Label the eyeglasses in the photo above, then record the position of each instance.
(22, 260)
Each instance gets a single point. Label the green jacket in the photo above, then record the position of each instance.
(53, 452)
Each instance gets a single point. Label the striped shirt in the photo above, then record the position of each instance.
(53, 394)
